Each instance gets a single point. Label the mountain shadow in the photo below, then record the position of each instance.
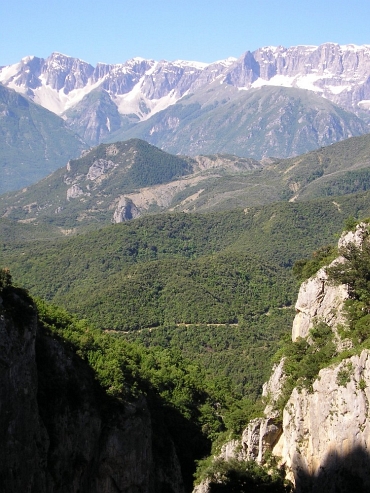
(338, 473)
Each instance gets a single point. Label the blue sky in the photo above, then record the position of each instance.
(113, 31)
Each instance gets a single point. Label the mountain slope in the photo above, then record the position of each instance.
(96, 188)
(165, 271)
(316, 422)
(33, 141)
(257, 123)
(121, 181)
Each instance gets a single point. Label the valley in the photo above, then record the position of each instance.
(163, 226)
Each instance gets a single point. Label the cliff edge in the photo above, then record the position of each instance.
(319, 432)
(60, 431)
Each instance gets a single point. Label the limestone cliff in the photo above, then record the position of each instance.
(322, 438)
(60, 432)
(325, 437)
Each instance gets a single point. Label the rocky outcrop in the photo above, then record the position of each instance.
(99, 168)
(326, 433)
(60, 432)
(125, 211)
(318, 301)
(74, 192)
(259, 437)
(322, 438)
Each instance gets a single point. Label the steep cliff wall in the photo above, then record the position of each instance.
(60, 432)
(325, 438)
(322, 438)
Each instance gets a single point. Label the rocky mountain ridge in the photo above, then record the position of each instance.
(118, 182)
(139, 88)
(33, 141)
(258, 122)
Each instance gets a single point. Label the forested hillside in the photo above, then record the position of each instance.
(217, 286)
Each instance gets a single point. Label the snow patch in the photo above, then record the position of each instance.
(10, 71)
(57, 101)
(338, 89)
(131, 102)
(301, 82)
(186, 63)
(365, 104)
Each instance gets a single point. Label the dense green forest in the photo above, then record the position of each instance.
(218, 287)
(198, 408)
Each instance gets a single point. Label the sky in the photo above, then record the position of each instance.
(113, 31)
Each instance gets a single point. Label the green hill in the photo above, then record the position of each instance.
(87, 191)
(117, 182)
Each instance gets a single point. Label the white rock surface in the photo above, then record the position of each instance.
(74, 191)
(324, 440)
(328, 431)
(355, 237)
(318, 301)
(99, 168)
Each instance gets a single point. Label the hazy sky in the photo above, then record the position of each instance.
(113, 31)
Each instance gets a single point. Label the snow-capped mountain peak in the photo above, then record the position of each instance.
(139, 87)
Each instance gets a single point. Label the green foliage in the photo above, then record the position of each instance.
(362, 384)
(345, 183)
(304, 359)
(126, 369)
(355, 273)
(240, 352)
(241, 476)
(165, 271)
(305, 268)
(344, 374)
(5, 279)
(350, 224)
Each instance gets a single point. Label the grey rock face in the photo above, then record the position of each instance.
(74, 192)
(60, 432)
(318, 301)
(121, 79)
(244, 72)
(167, 77)
(24, 441)
(125, 211)
(63, 72)
(259, 437)
(98, 168)
(326, 433)
(323, 442)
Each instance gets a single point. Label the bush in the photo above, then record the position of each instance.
(5, 278)
(245, 476)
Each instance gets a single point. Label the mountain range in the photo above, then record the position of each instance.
(274, 101)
